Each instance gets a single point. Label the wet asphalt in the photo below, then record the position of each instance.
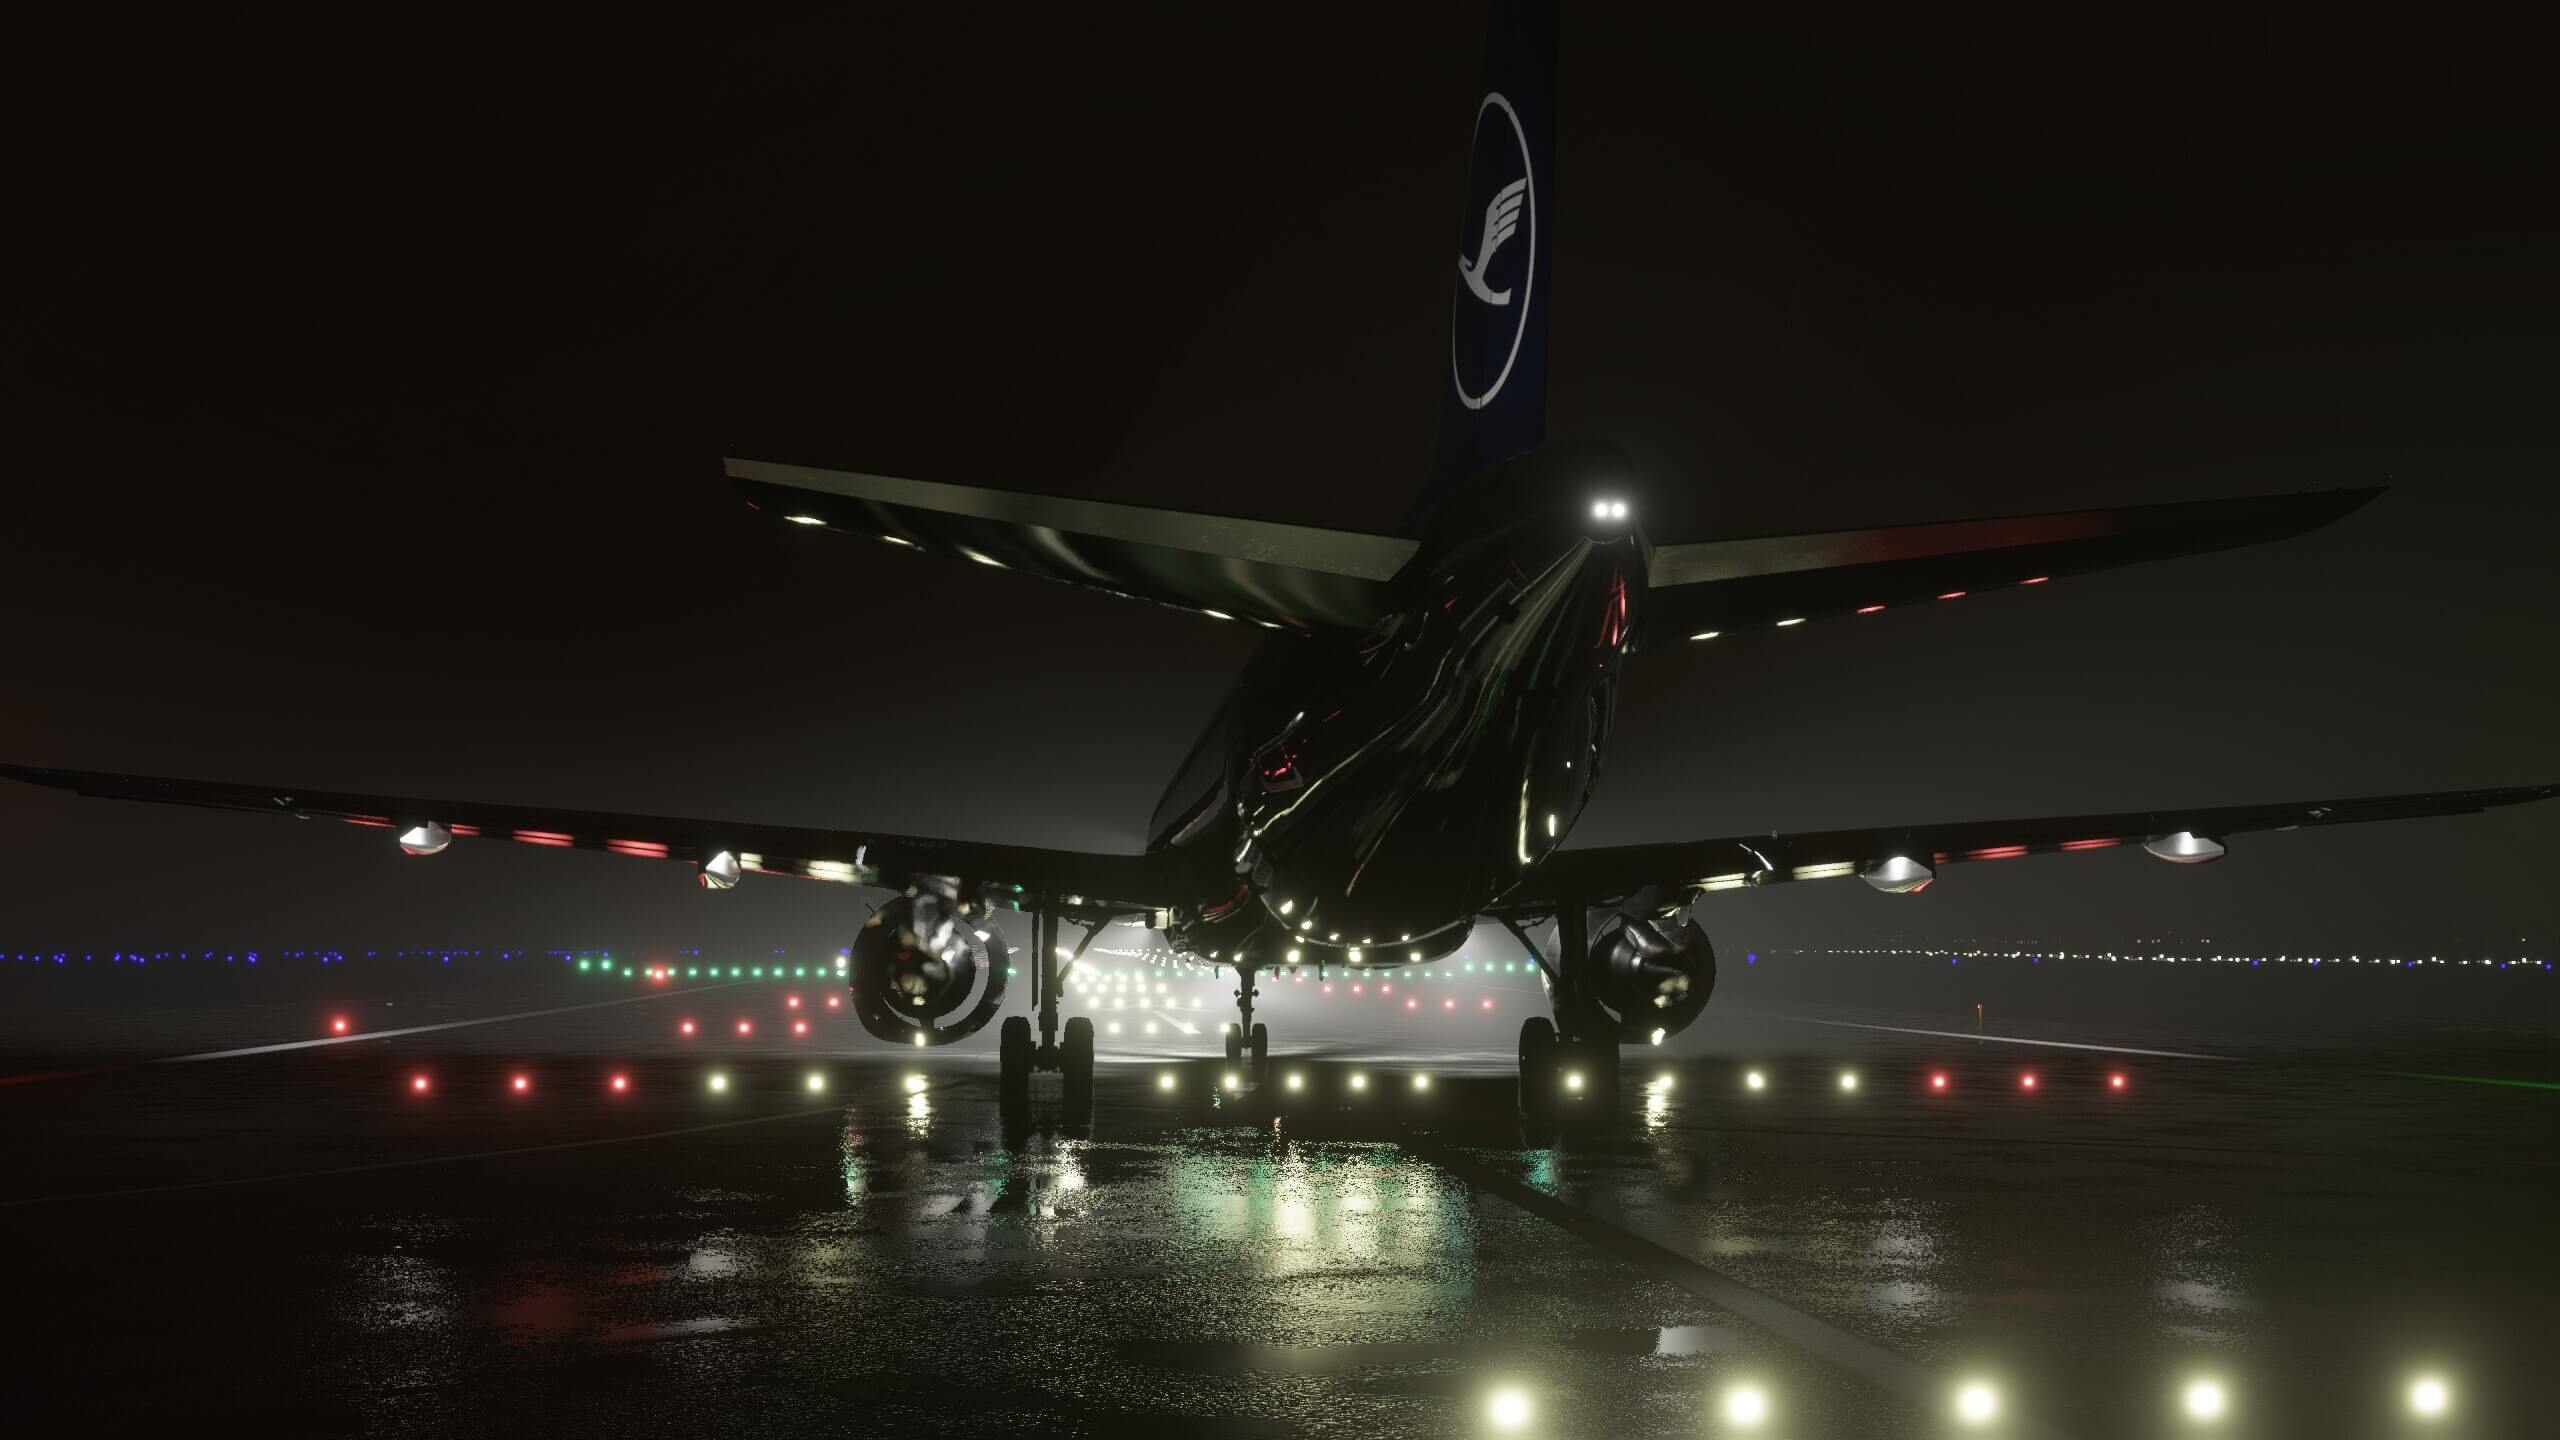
(306, 1241)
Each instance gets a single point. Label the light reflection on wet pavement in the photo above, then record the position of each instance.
(874, 1260)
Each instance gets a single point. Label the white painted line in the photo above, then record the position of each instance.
(1184, 1026)
(446, 1025)
(2008, 1039)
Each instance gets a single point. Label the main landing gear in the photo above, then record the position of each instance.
(1568, 1065)
(1070, 1058)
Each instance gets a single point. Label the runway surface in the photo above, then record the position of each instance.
(451, 1218)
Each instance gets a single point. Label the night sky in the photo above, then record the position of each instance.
(369, 388)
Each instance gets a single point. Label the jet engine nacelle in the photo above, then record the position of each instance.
(1655, 973)
(917, 961)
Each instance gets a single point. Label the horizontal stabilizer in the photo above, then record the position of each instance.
(1904, 857)
(1723, 587)
(856, 857)
(1282, 576)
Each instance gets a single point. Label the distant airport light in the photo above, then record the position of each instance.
(1164, 1081)
(520, 1083)
(1746, 1406)
(418, 1084)
(1232, 1081)
(791, 1002)
(746, 1027)
(2429, 1398)
(1938, 1080)
(835, 1002)
(1573, 1081)
(1113, 1027)
(914, 1084)
(1488, 1002)
(1412, 1004)
(1422, 1082)
(1297, 1081)
(1848, 1080)
(1359, 1081)
(337, 1024)
(1755, 1081)
(920, 1039)
(2038, 580)
(684, 1027)
(1510, 1409)
(804, 519)
(1792, 620)
(1977, 1403)
(2205, 1401)
(1952, 595)
(618, 1084)
(1659, 1034)
(718, 1082)
(2115, 1081)
(1449, 1004)
(1869, 609)
(1706, 635)
(799, 1027)
(816, 1082)
(2027, 1081)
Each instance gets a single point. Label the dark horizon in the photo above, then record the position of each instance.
(373, 416)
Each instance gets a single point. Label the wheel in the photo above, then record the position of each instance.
(1075, 1059)
(1537, 1068)
(1261, 1052)
(1235, 1045)
(1013, 1063)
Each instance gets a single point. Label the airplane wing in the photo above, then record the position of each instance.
(852, 857)
(1907, 857)
(1279, 576)
(1718, 588)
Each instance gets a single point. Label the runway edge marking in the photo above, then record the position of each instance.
(1828, 1343)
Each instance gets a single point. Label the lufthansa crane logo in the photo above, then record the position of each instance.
(1497, 263)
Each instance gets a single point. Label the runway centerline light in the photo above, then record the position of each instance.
(1573, 1081)
(1359, 1081)
(2204, 1400)
(718, 1082)
(1746, 1406)
(1422, 1082)
(1510, 1409)
(1755, 1081)
(816, 1082)
(1233, 1081)
(1165, 1081)
(1296, 1081)
(1977, 1403)
(2429, 1398)
(1848, 1080)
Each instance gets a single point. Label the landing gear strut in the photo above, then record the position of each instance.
(1568, 1065)
(1072, 1058)
(1250, 1038)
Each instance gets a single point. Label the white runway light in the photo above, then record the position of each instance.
(2429, 1398)
(1977, 1403)
(1509, 1410)
(2205, 1401)
(1848, 1080)
(1746, 1406)
(1755, 1081)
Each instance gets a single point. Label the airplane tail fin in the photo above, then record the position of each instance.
(1495, 392)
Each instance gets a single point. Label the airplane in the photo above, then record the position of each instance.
(1411, 743)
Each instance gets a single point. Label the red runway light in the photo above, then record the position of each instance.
(835, 1002)
(1413, 1004)
(338, 1025)
(799, 1027)
(684, 1027)
(1355, 989)
(520, 1084)
(1938, 1081)
(418, 1084)
(791, 1002)
(2027, 1081)
(2116, 1081)
(621, 1083)
(1488, 1004)
(1448, 1004)
(1385, 989)
(746, 1027)
(1328, 989)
